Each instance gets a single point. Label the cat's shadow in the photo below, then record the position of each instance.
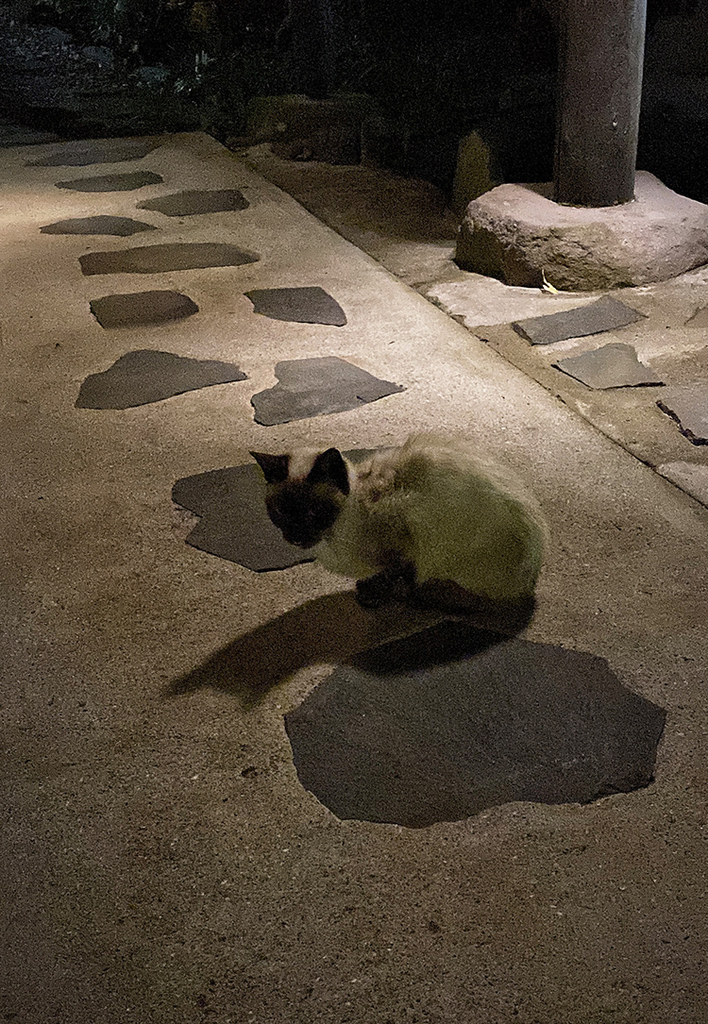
(335, 629)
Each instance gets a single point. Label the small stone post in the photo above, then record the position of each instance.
(600, 85)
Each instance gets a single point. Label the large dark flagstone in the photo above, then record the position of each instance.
(145, 376)
(449, 721)
(234, 523)
(314, 387)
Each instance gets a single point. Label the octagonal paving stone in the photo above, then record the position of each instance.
(447, 722)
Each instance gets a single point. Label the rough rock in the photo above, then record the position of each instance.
(518, 234)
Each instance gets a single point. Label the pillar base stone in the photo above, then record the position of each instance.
(519, 235)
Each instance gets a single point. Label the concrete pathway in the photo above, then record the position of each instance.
(161, 861)
(404, 225)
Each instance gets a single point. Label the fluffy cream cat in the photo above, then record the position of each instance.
(431, 510)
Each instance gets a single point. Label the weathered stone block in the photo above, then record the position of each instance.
(518, 234)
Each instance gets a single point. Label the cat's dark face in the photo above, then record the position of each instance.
(304, 507)
(302, 512)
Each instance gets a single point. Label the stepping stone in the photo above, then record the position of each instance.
(316, 387)
(99, 225)
(135, 309)
(235, 524)
(187, 204)
(146, 376)
(606, 314)
(688, 405)
(699, 318)
(298, 305)
(112, 182)
(452, 720)
(109, 151)
(612, 366)
(157, 259)
(691, 477)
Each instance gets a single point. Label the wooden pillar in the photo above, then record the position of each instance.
(600, 85)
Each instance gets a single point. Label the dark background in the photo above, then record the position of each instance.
(434, 71)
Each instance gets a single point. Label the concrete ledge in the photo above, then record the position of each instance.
(518, 234)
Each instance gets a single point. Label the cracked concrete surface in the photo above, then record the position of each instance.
(160, 859)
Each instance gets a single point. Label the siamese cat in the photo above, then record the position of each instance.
(430, 511)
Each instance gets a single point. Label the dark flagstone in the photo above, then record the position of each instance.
(187, 204)
(298, 305)
(99, 225)
(315, 387)
(688, 405)
(604, 315)
(156, 259)
(112, 182)
(108, 151)
(234, 523)
(612, 366)
(145, 376)
(452, 720)
(133, 309)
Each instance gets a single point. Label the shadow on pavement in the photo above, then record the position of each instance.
(334, 628)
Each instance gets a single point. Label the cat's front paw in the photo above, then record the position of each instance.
(373, 591)
(384, 587)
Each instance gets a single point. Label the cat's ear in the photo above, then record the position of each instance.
(329, 467)
(275, 467)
